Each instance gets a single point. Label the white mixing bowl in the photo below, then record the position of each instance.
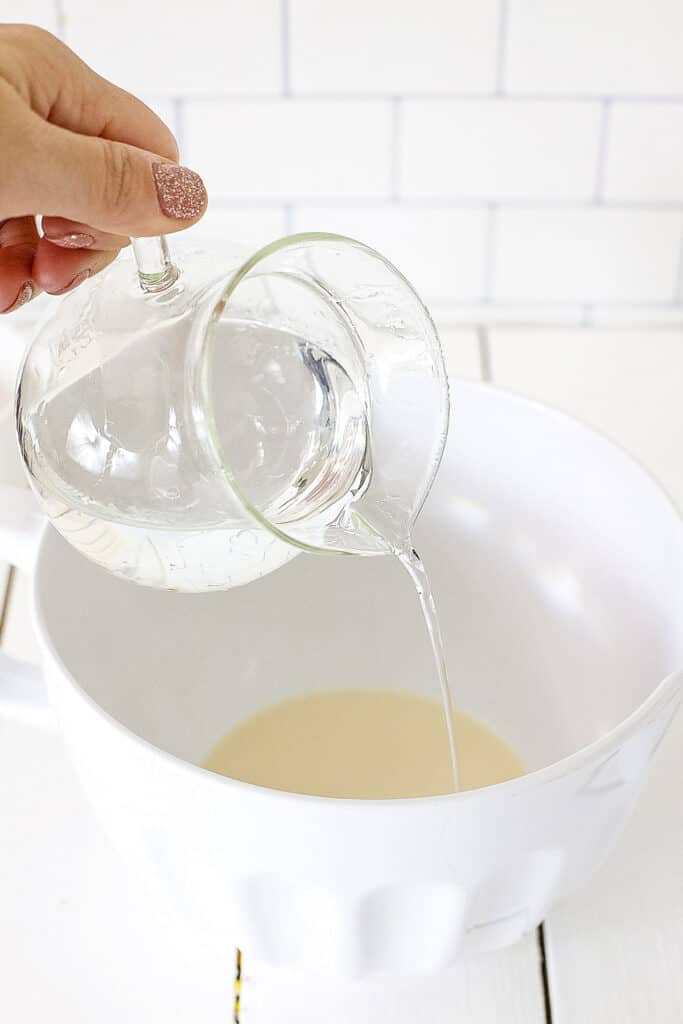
(557, 565)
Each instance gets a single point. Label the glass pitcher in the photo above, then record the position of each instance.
(193, 425)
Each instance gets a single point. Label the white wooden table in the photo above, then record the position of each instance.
(80, 942)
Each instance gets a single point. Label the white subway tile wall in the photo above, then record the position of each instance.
(252, 226)
(594, 47)
(593, 254)
(290, 149)
(44, 13)
(516, 158)
(200, 48)
(498, 149)
(441, 250)
(393, 46)
(645, 155)
(462, 353)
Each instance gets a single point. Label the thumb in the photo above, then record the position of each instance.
(112, 186)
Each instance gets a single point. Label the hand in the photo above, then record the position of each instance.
(93, 160)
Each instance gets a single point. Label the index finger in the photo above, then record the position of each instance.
(63, 90)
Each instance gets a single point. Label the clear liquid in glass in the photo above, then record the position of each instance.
(133, 492)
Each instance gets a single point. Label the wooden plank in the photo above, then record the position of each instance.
(4, 584)
(80, 939)
(615, 953)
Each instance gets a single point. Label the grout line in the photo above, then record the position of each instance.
(603, 326)
(220, 203)
(535, 300)
(179, 122)
(490, 246)
(678, 294)
(60, 18)
(446, 202)
(545, 980)
(396, 122)
(427, 97)
(503, 17)
(237, 986)
(4, 604)
(502, 327)
(285, 47)
(484, 344)
(271, 96)
(603, 140)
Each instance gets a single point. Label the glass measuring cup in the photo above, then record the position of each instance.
(192, 425)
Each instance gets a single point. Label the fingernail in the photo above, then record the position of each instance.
(72, 240)
(24, 295)
(74, 283)
(180, 191)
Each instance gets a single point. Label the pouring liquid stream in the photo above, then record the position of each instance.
(412, 563)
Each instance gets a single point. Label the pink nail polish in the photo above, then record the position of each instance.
(72, 240)
(74, 283)
(24, 295)
(180, 191)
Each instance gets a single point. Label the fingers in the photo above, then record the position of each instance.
(115, 187)
(57, 270)
(70, 252)
(71, 234)
(18, 231)
(94, 160)
(30, 264)
(18, 240)
(112, 113)
(62, 89)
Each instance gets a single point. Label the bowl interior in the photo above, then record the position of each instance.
(557, 566)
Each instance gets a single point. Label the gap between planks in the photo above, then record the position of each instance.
(5, 602)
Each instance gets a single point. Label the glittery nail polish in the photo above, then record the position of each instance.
(74, 282)
(24, 295)
(180, 191)
(72, 240)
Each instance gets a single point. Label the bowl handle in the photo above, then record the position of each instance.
(23, 693)
(21, 527)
